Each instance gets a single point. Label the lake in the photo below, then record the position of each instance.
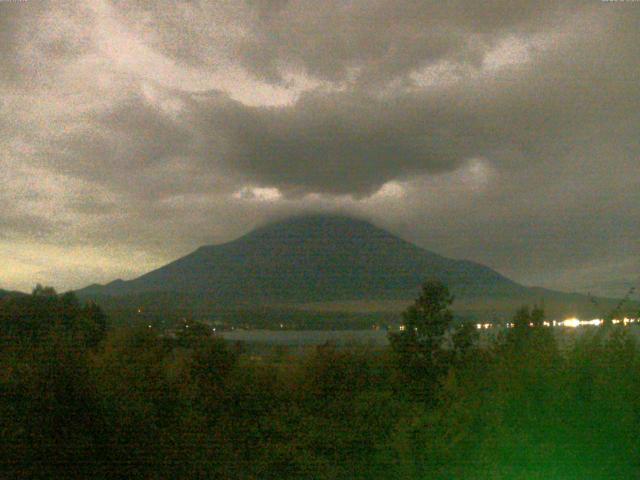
(303, 338)
(374, 338)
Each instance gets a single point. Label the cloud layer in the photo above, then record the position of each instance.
(505, 132)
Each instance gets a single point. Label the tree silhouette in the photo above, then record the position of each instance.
(419, 343)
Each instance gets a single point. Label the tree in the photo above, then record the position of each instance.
(528, 330)
(191, 334)
(94, 323)
(210, 363)
(524, 317)
(46, 387)
(464, 338)
(426, 321)
(42, 291)
(419, 343)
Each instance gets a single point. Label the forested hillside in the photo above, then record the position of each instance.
(80, 399)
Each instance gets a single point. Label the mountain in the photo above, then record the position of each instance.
(329, 262)
(313, 258)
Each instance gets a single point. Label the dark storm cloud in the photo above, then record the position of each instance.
(329, 143)
(333, 40)
(379, 41)
(355, 140)
(131, 136)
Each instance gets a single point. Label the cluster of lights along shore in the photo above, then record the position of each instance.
(572, 322)
(569, 322)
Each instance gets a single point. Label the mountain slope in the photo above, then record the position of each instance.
(313, 258)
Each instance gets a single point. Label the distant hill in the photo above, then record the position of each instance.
(8, 293)
(324, 260)
(615, 288)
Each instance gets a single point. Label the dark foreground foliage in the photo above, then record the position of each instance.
(78, 401)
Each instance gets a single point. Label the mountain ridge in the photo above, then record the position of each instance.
(312, 258)
(330, 263)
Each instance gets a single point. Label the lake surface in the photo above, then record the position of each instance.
(302, 338)
(374, 338)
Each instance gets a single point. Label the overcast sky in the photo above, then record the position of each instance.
(506, 132)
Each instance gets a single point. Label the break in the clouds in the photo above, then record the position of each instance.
(134, 131)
